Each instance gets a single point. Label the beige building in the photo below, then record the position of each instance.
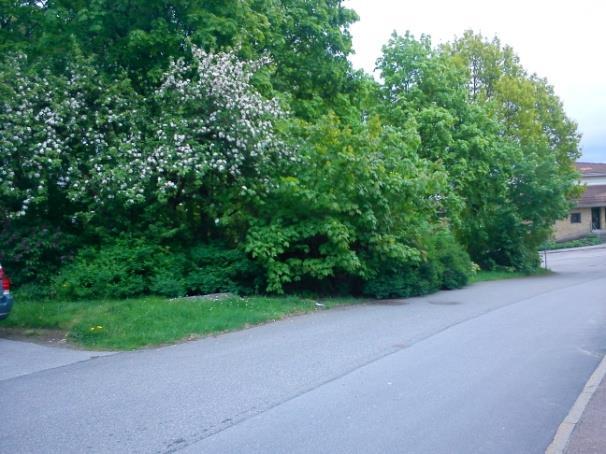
(589, 215)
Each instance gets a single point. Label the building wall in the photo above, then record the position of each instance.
(565, 230)
(593, 181)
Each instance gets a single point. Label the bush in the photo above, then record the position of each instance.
(403, 280)
(216, 268)
(32, 292)
(32, 254)
(128, 267)
(445, 266)
(356, 193)
(133, 267)
(454, 263)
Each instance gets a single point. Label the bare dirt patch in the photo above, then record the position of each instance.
(444, 303)
(390, 302)
(49, 337)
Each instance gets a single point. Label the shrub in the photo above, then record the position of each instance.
(134, 267)
(446, 265)
(354, 194)
(32, 292)
(454, 262)
(33, 253)
(128, 267)
(403, 280)
(216, 268)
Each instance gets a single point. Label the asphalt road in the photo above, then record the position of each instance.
(493, 368)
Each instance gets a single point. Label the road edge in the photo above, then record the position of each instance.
(580, 248)
(566, 428)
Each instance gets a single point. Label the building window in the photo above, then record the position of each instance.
(575, 218)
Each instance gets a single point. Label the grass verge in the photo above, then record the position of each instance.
(591, 240)
(483, 276)
(141, 322)
(134, 323)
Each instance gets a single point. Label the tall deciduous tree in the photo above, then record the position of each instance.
(309, 41)
(502, 136)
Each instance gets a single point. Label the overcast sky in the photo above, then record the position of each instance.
(564, 41)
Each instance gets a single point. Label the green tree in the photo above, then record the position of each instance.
(308, 41)
(502, 136)
(359, 197)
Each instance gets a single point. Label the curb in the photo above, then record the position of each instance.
(564, 432)
(581, 248)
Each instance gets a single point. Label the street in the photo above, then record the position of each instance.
(492, 368)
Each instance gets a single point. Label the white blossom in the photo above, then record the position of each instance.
(209, 123)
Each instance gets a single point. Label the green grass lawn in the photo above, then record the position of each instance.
(590, 240)
(483, 276)
(134, 323)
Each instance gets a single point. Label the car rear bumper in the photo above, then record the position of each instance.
(6, 303)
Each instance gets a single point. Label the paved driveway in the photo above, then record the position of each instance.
(23, 358)
(491, 368)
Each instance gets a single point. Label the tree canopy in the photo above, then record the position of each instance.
(237, 131)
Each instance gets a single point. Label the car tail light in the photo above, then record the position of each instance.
(6, 283)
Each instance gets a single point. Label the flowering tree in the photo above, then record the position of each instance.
(54, 131)
(212, 128)
(95, 144)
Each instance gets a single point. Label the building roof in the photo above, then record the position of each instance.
(591, 169)
(593, 196)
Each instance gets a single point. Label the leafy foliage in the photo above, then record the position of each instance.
(357, 195)
(34, 253)
(232, 146)
(126, 268)
(214, 268)
(509, 160)
(444, 264)
(132, 267)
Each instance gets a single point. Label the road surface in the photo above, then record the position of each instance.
(492, 368)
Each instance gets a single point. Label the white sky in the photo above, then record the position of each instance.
(564, 41)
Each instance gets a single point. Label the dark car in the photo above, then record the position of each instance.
(6, 301)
